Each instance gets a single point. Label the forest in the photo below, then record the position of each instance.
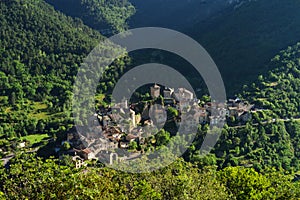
(34, 178)
(41, 49)
(40, 58)
(242, 41)
(272, 137)
(107, 16)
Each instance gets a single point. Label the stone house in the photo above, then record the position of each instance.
(183, 94)
(86, 154)
(168, 93)
(155, 91)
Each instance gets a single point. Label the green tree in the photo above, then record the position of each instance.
(162, 137)
(66, 146)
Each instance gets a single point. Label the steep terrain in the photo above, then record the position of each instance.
(241, 36)
(40, 52)
(279, 89)
(271, 138)
(242, 41)
(176, 14)
(107, 16)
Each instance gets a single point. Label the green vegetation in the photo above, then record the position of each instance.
(41, 51)
(278, 90)
(34, 139)
(259, 146)
(181, 180)
(271, 138)
(108, 16)
(243, 40)
(246, 183)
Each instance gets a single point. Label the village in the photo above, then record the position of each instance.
(123, 125)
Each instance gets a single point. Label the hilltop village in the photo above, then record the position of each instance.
(127, 126)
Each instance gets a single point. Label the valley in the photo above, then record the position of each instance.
(256, 47)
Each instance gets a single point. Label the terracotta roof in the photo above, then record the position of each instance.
(131, 136)
(87, 151)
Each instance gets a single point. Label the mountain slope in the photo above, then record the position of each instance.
(241, 36)
(271, 138)
(106, 16)
(40, 51)
(279, 90)
(243, 40)
(175, 14)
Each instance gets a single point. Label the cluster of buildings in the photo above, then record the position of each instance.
(239, 109)
(118, 126)
(211, 112)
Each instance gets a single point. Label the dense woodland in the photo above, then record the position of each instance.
(243, 40)
(107, 16)
(41, 50)
(32, 178)
(272, 137)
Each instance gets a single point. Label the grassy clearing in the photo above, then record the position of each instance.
(33, 139)
(39, 105)
(39, 110)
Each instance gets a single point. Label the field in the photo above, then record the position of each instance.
(35, 139)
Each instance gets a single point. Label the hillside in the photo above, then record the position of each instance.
(241, 36)
(31, 178)
(271, 138)
(107, 16)
(279, 89)
(243, 40)
(176, 14)
(40, 52)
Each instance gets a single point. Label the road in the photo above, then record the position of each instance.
(268, 122)
(6, 159)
